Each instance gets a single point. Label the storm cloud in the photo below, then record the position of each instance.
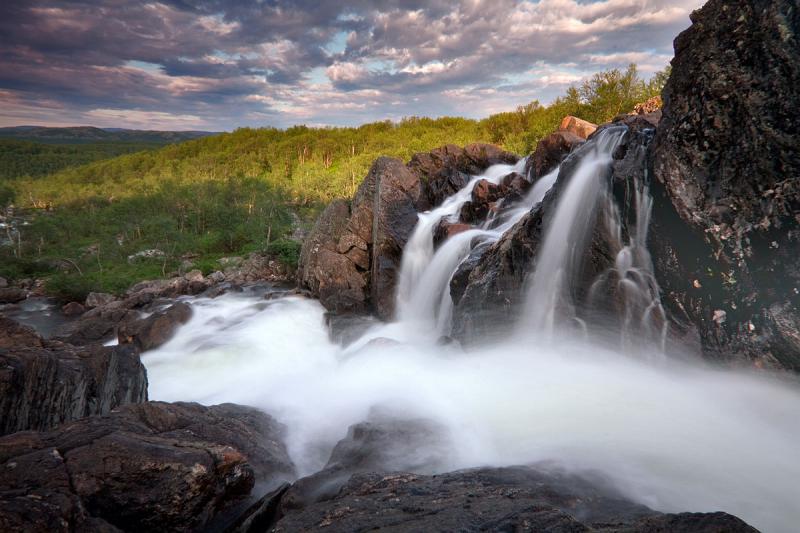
(215, 64)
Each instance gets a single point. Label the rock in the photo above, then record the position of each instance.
(12, 295)
(3, 283)
(193, 275)
(351, 259)
(15, 335)
(216, 277)
(651, 105)
(45, 383)
(151, 332)
(488, 499)
(550, 152)
(96, 325)
(581, 128)
(340, 284)
(99, 299)
(146, 255)
(725, 160)
(444, 230)
(148, 467)
(73, 309)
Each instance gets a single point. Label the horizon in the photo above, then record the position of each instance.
(217, 66)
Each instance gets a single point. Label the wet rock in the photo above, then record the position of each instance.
(99, 299)
(550, 152)
(581, 128)
(444, 230)
(154, 466)
(96, 325)
(725, 158)
(151, 332)
(490, 499)
(12, 295)
(73, 309)
(45, 383)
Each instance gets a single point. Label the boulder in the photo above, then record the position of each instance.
(12, 295)
(153, 331)
(488, 499)
(96, 325)
(549, 153)
(147, 467)
(15, 335)
(3, 282)
(73, 309)
(339, 280)
(581, 128)
(99, 299)
(726, 161)
(46, 383)
(445, 229)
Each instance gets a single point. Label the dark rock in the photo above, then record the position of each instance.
(153, 331)
(726, 159)
(339, 280)
(45, 383)
(446, 229)
(550, 152)
(73, 309)
(148, 467)
(346, 329)
(12, 295)
(489, 499)
(96, 325)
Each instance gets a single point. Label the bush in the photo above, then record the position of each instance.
(286, 250)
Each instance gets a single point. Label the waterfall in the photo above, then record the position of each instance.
(423, 292)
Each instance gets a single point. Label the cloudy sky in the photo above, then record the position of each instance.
(221, 64)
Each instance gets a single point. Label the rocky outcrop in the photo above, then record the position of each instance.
(148, 467)
(581, 128)
(45, 383)
(12, 295)
(352, 257)
(489, 499)
(726, 158)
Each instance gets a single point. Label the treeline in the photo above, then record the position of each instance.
(236, 192)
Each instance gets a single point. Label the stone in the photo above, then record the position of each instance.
(46, 383)
(550, 152)
(581, 128)
(487, 499)
(12, 295)
(153, 331)
(3, 282)
(154, 466)
(73, 309)
(726, 167)
(98, 299)
(444, 230)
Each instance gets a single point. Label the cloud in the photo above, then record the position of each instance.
(219, 64)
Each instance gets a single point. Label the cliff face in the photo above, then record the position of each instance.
(726, 156)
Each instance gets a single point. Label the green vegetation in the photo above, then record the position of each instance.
(32, 159)
(234, 193)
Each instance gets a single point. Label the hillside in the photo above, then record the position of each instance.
(90, 134)
(244, 191)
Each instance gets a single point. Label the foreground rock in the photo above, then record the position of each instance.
(153, 331)
(726, 157)
(351, 259)
(148, 467)
(45, 383)
(490, 499)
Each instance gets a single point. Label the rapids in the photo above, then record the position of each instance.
(673, 435)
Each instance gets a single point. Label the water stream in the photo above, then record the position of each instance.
(673, 435)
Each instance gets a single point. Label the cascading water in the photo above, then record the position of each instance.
(566, 238)
(674, 436)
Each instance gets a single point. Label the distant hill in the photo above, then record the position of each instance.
(91, 134)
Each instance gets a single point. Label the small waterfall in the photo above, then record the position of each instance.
(567, 235)
(423, 292)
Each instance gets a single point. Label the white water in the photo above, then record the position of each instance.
(674, 437)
